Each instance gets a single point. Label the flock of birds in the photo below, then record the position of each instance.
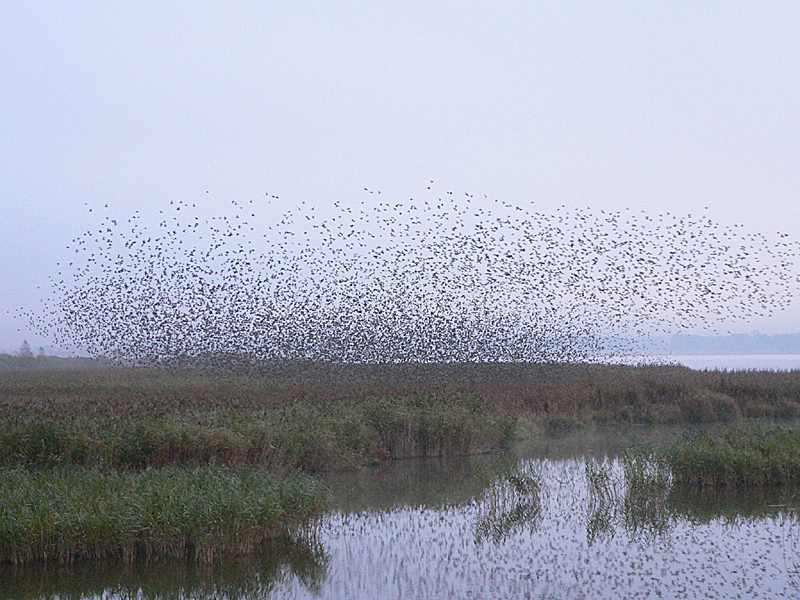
(441, 278)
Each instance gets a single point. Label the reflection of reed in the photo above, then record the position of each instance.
(647, 486)
(497, 526)
(733, 506)
(603, 493)
(641, 497)
(253, 576)
(636, 500)
(510, 503)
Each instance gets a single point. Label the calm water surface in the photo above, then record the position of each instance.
(448, 529)
(737, 362)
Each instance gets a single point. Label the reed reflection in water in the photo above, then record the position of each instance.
(303, 560)
(554, 544)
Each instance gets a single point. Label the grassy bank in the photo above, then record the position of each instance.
(760, 457)
(300, 436)
(314, 417)
(202, 514)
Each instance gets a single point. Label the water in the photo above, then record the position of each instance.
(459, 529)
(690, 549)
(731, 362)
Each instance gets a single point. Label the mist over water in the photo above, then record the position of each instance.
(443, 277)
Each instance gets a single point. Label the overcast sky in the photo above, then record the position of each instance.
(661, 106)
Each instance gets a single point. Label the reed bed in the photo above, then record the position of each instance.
(738, 458)
(696, 477)
(317, 417)
(111, 462)
(201, 514)
(568, 394)
(283, 438)
(640, 495)
(759, 456)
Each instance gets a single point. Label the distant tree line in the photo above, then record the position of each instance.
(24, 358)
(24, 351)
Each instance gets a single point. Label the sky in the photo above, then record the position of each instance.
(661, 107)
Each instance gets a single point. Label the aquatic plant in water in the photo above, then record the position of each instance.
(739, 457)
(636, 497)
(511, 502)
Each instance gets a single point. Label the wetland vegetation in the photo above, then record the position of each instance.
(203, 513)
(195, 464)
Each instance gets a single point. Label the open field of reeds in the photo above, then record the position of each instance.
(291, 421)
(317, 417)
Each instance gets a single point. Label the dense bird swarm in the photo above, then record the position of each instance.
(439, 278)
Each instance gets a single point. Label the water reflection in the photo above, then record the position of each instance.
(641, 499)
(302, 560)
(732, 506)
(490, 528)
(510, 503)
(563, 542)
(431, 482)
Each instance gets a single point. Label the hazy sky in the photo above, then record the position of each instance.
(661, 106)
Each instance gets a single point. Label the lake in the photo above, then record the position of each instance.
(731, 362)
(466, 528)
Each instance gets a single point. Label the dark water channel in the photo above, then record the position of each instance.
(474, 528)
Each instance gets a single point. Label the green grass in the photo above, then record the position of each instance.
(201, 514)
(738, 458)
(284, 438)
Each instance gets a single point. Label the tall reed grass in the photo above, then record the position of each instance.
(78, 446)
(559, 397)
(202, 513)
(694, 476)
(737, 458)
(299, 436)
